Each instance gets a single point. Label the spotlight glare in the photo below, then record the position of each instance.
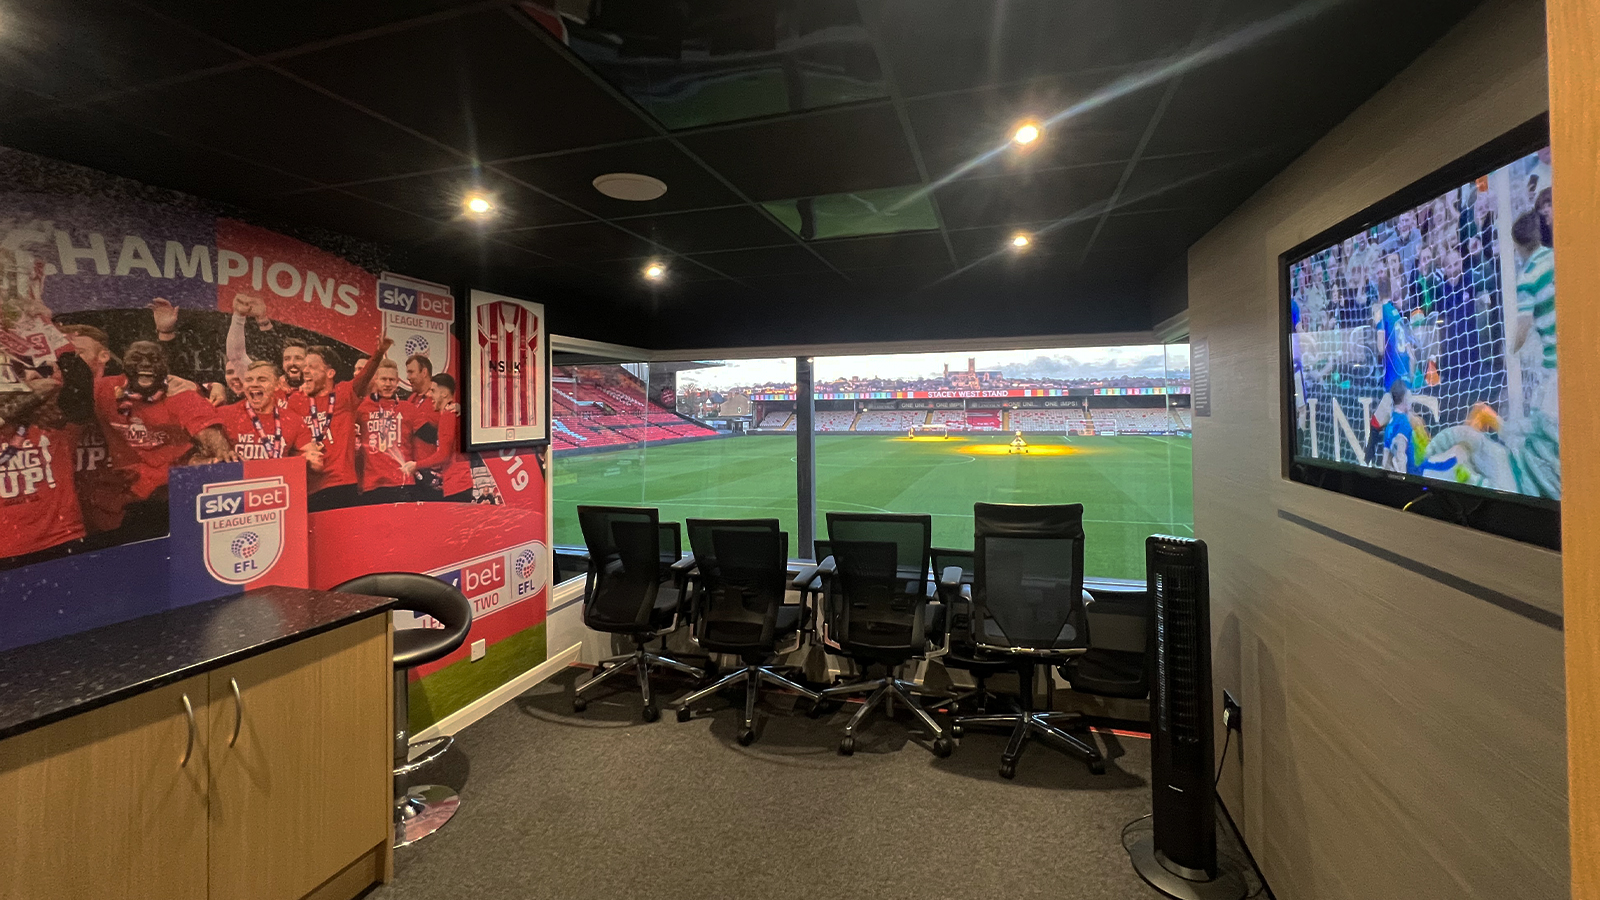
(1026, 133)
(1020, 240)
(655, 271)
(477, 205)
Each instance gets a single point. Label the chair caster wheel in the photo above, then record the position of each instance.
(746, 737)
(683, 714)
(942, 747)
(651, 713)
(847, 746)
(1008, 770)
(579, 704)
(955, 731)
(1098, 767)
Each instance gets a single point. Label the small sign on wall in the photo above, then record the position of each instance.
(1200, 378)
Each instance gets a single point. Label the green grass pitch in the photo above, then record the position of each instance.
(1131, 486)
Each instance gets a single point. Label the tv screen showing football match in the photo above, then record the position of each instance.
(1425, 345)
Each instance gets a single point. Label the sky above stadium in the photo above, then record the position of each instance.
(1151, 360)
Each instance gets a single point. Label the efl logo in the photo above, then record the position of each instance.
(243, 530)
(529, 565)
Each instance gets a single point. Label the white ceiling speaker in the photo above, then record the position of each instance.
(630, 186)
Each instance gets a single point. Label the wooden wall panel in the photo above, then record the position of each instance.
(1402, 738)
(1574, 27)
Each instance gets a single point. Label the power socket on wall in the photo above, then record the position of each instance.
(479, 648)
(1232, 712)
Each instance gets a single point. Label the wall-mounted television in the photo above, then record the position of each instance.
(1419, 345)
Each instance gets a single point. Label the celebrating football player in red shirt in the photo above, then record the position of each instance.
(150, 430)
(328, 410)
(39, 513)
(261, 426)
(454, 467)
(388, 425)
(102, 489)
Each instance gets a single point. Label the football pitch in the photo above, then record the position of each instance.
(1131, 486)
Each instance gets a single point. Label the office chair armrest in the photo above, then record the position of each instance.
(825, 568)
(950, 580)
(683, 565)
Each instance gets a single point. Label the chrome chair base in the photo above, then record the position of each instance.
(640, 662)
(1027, 725)
(423, 810)
(752, 677)
(883, 691)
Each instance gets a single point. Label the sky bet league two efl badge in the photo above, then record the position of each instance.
(243, 523)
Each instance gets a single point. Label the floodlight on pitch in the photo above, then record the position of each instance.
(655, 271)
(630, 186)
(1026, 133)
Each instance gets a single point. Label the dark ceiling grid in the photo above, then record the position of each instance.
(549, 41)
(871, 25)
(1167, 94)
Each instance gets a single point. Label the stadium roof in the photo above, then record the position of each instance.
(780, 127)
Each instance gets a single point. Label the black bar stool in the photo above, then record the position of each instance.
(423, 809)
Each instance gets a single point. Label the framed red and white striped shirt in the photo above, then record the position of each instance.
(508, 405)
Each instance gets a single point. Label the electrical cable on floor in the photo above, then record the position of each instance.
(1226, 740)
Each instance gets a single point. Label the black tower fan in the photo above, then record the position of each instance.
(1179, 856)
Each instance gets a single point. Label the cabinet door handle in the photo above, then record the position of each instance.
(238, 711)
(188, 750)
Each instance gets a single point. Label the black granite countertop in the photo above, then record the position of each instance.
(50, 681)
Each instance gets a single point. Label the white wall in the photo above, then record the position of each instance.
(1402, 739)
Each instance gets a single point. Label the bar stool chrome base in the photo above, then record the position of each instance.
(423, 810)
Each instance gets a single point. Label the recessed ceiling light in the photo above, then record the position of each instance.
(655, 271)
(1020, 240)
(1026, 133)
(630, 186)
(477, 205)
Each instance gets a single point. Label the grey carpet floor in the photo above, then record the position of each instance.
(600, 805)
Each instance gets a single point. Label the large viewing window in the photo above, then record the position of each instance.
(914, 433)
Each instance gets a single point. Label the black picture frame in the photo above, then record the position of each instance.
(477, 435)
(1533, 520)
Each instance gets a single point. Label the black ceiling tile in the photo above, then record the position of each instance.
(711, 229)
(111, 145)
(263, 116)
(267, 27)
(1167, 229)
(783, 260)
(943, 45)
(439, 195)
(581, 243)
(899, 279)
(796, 284)
(353, 216)
(921, 248)
(680, 270)
(953, 130)
(571, 176)
(851, 149)
(483, 84)
(974, 244)
(76, 50)
(1028, 197)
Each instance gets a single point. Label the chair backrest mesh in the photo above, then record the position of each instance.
(875, 608)
(624, 546)
(1028, 579)
(744, 573)
(911, 535)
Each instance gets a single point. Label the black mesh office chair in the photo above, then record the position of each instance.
(628, 591)
(959, 650)
(1121, 657)
(742, 566)
(1026, 607)
(876, 610)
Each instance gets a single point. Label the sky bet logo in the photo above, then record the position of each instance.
(243, 530)
(396, 298)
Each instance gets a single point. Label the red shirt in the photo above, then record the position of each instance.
(331, 419)
(153, 436)
(38, 499)
(457, 468)
(102, 489)
(387, 429)
(427, 415)
(281, 434)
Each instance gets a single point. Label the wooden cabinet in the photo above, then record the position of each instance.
(104, 805)
(305, 789)
(285, 793)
